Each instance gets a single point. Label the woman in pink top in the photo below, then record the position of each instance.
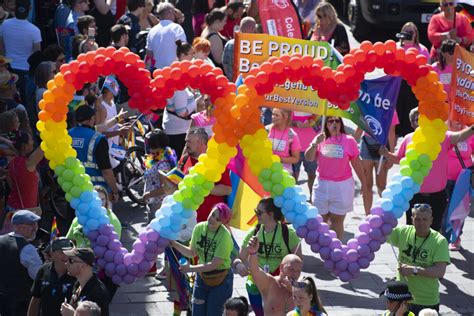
(410, 37)
(443, 26)
(444, 67)
(285, 142)
(204, 117)
(333, 190)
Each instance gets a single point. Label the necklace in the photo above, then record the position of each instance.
(277, 147)
(207, 246)
(416, 252)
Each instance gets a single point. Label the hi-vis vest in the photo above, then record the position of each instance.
(387, 313)
(84, 141)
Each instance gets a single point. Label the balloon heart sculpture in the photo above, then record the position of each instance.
(238, 121)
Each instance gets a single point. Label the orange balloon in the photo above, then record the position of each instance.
(90, 58)
(109, 51)
(118, 55)
(59, 79)
(391, 46)
(74, 66)
(44, 116)
(58, 117)
(285, 59)
(379, 48)
(348, 59)
(366, 46)
(124, 49)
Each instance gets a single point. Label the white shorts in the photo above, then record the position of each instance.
(335, 197)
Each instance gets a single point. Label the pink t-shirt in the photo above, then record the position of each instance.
(438, 176)
(466, 148)
(305, 134)
(444, 76)
(334, 155)
(200, 119)
(283, 143)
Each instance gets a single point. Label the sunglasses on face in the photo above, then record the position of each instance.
(258, 212)
(448, 4)
(332, 121)
(421, 205)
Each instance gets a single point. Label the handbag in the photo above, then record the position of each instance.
(36, 209)
(372, 148)
(215, 277)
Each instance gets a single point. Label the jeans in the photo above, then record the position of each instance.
(209, 300)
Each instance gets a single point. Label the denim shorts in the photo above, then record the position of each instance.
(209, 300)
(309, 166)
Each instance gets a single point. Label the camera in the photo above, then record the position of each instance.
(405, 35)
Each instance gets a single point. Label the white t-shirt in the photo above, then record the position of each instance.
(181, 102)
(19, 36)
(111, 113)
(162, 42)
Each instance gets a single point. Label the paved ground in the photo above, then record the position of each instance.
(358, 297)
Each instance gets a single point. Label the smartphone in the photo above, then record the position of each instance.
(91, 34)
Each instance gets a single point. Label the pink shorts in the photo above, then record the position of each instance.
(335, 197)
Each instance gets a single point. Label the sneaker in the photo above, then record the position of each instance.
(455, 246)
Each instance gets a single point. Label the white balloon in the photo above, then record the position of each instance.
(187, 229)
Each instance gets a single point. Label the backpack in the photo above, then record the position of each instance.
(284, 231)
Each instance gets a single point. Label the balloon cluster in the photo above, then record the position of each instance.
(238, 120)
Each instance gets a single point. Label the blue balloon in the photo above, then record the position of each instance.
(177, 208)
(312, 212)
(278, 201)
(301, 208)
(407, 194)
(386, 204)
(166, 232)
(300, 220)
(94, 213)
(387, 194)
(164, 221)
(406, 206)
(398, 200)
(187, 213)
(103, 212)
(75, 202)
(300, 197)
(96, 202)
(416, 188)
(92, 224)
(289, 193)
(82, 209)
(175, 228)
(86, 196)
(407, 182)
(82, 220)
(104, 221)
(175, 220)
(155, 225)
(288, 205)
(395, 187)
(398, 212)
(166, 210)
(290, 217)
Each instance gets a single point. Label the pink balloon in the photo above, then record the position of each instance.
(152, 235)
(139, 246)
(127, 259)
(137, 257)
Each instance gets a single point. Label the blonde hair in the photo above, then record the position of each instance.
(326, 9)
(201, 44)
(286, 113)
(413, 26)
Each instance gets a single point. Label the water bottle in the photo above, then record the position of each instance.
(183, 261)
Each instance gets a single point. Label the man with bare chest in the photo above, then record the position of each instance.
(275, 291)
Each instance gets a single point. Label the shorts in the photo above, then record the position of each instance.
(335, 197)
(309, 166)
(365, 152)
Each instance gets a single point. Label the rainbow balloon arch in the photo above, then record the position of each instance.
(238, 123)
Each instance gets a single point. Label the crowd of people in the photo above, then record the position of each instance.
(61, 277)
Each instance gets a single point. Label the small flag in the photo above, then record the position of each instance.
(54, 229)
(174, 175)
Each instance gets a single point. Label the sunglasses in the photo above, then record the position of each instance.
(72, 261)
(258, 212)
(332, 121)
(448, 4)
(421, 205)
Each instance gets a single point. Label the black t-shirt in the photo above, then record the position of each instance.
(52, 289)
(94, 291)
(133, 22)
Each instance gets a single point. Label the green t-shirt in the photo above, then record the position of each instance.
(434, 249)
(76, 234)
(218, 244)
(272, 254)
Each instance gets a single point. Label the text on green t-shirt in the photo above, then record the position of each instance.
(218, 244)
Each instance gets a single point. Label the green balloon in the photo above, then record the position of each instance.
(178, 197)
(405, 171)
(71, 162)
(411, 154)
(424, 159)
(187, 192)
(197, 199)
(417, 177)
(424, 170)
(289, 182)
(59, 170)
(76, 191)
(415, 165)
(208, 185)
(188, 181)
(78, 180)
(68, 175)
(266, 174)
(277, 167)
(277, 189)
(405, 162)
(66, 186)
(68, 197)
(61, 180)
(87, 187)
(198, 178)
(277, 177)
(267, 185)
(188, 203)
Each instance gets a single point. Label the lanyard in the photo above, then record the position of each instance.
(267, 253)
(208, 247)
(417, 252)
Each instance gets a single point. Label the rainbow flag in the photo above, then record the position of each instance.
(54, 230)
(175, 175)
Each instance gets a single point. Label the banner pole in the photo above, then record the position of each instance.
(379, 167)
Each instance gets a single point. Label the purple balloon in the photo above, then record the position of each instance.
(344, 249)
(116, 279)
(132, 269)
(329, 265)
(312, 224)
(106, 229)
(352, 243)
(101, 263)
(302, 231)
(332, 234)
(382, 239)
(150, 256)
(353, 267)
(151, 247)
(118, 258)
(114, 235)
(114, 245)
(99, 251)
(374, 245)
(362, 238)
(352, 255)
(341, 265)
(363, 263)
(145, 266)
(163, 242)
(319, 218)
(315, 247)
(376, 221)
(139, 246)
(324, 252)
(127, 259)
(335, 244)
(110, 269)
(345, 276)
(121, 269)
(123, 250)
(92, 235)
(389, 218)
(129, 279)
(364, 227)
(386, 229)
(377, 210)
(143, 236)
(109, 256)
(137, 257)
(363, 250)
(152, 235)
(323, 228)
(161, 250)
(312, 237)
(371, 257)
(324, 240)
(375, 233)
(336, 255)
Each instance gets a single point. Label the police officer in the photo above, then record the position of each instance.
(19, 264)
(52, 284)
(93, 150)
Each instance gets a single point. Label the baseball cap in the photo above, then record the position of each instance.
(24, 217)
(397, 291)
(85, 254)
(84, 113)
(61, 243)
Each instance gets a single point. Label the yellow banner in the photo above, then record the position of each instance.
(252, 50)
(462, 87)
